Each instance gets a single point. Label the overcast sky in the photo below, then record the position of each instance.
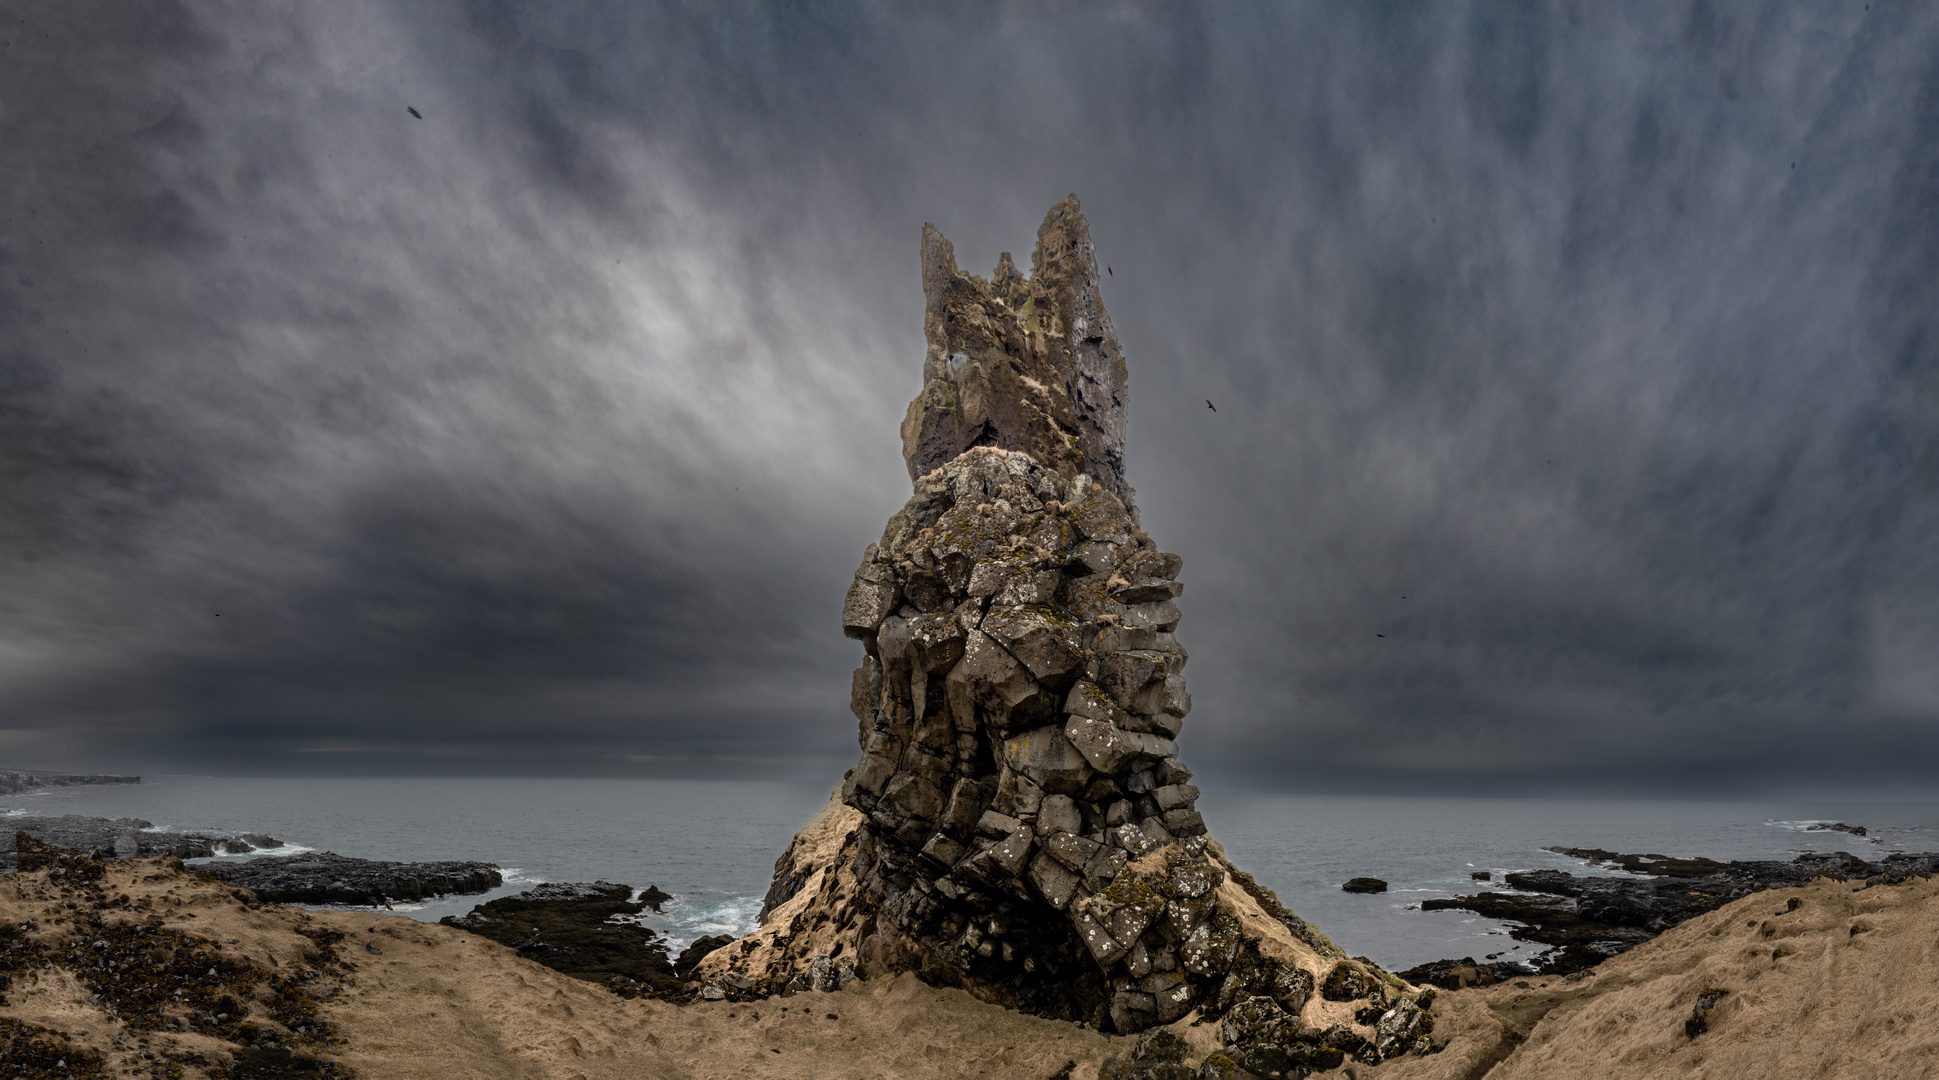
(1588, 352)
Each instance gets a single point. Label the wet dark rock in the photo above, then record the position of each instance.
(329, 878)
(1364, 885)
(569, 928)
(1587, 919)
(1465, 972)
(1482, 875)
(692, 954)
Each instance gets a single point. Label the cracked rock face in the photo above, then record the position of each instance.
(1018, 363)
(1026, 820)
(1026, 817)
(1019, 824)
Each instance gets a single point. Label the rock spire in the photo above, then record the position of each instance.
(1019, 823)
(1018, 363)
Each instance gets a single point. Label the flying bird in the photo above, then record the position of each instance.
(1209, 405)
(1107, 270)
(413, 112)
(1380, 635)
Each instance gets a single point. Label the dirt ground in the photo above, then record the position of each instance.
(1845, 984)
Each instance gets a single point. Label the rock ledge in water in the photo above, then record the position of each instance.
(582, 930)
(126, 838)
(329, 878)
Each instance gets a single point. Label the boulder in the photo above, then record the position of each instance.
(1398, 1028)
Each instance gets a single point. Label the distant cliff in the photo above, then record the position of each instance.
(15, 781)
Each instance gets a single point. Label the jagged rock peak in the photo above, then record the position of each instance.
(1027, 364)
(1019, 824)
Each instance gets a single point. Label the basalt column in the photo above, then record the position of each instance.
(1019, 823)
(1027, 820)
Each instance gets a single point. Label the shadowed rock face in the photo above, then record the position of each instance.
(1027, 823)
(1017, 363)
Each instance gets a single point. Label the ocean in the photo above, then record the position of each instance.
(712, 844)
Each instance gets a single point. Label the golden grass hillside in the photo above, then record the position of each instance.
(192, 979)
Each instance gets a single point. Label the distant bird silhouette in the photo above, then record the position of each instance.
(1380, 635)
(413, 112)
(1209, 405)
(1107, 270)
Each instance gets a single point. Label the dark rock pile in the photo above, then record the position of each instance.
(329, 878)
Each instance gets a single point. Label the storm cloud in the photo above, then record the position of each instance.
(1576, 372)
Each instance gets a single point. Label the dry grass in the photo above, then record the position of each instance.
(1847, 985)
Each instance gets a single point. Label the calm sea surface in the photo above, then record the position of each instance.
(712, 844)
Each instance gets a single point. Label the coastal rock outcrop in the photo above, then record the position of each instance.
(1019, 823)
(328, 878)
(1584, 920)
(589, 930)
(125, 838)
(15, 781)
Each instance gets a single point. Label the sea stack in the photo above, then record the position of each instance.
(1019, 824)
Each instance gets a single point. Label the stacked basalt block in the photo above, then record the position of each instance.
(1018, 706)
(1023, 687)
(1019, 824)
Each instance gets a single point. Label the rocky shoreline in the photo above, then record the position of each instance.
(125, 838)
(1587, 919)
(583, 929)
(16, 781)
(329, 878)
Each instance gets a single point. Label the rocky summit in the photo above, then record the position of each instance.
(1019, 824)
(1018, 363)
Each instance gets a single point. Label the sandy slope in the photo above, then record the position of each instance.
(439, 1002)
(1845, 985)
